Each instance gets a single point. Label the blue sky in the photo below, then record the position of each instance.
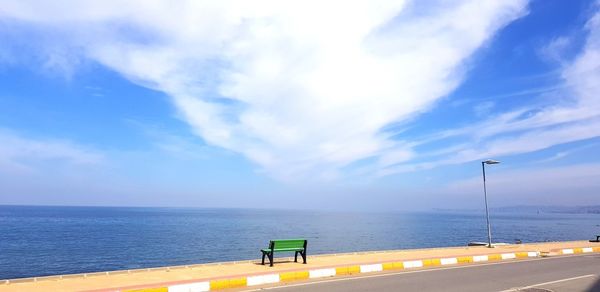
(367, 106)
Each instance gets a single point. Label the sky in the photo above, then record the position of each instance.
(341, 105)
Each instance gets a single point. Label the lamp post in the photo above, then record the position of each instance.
(487, 214)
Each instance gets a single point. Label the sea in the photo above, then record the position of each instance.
(41, 241)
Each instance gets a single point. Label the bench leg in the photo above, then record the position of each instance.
(296, 257)
(303, 254)
(263, 260)
(271, 259)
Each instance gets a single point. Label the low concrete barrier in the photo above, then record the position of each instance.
(567, 251)
(251, 276)
(256, 280)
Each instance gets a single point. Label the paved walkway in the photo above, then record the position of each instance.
(134, 279)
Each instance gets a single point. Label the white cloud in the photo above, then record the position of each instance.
(570, 185)
(484, 108)
(555, 50)
(301, 88)
(571, 114)
(25, 155)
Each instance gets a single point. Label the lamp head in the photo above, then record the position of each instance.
(490, 161)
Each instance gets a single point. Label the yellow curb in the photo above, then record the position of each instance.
(349, 270)
(287, 277)
(342, 271)
(238, 282)
(218, 284)
(354, 269)
(522, 254)
(398, 265)
(293, 276)
(432, 262)
(494, 257)
(302, 275)
(463, 260)
(578, 250)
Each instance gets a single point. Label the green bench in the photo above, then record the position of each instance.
(298, 246)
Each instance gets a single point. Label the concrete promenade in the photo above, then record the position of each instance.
(250, 273)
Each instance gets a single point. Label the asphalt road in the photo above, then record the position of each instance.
(567, 273)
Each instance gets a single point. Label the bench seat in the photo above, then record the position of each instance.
(282, 249)
(298, 246)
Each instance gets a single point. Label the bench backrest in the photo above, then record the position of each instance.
(287, 243)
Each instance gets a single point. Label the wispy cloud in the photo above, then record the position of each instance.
(180, 146)
(301, 88)
(544, 186)
(555, 50)
(572, 115)
(563, 154)
(21, 154)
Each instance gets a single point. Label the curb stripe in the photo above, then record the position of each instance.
(320, 273)
(448, 261)
(506, 256)
(347, 270)
(567, 251)
(464, 260)
(481, 258)
(371, 268)
(432, 262)
(587, 249)
(292, 276)
(412, 264)
(522, 254)
(193, 287)
(387, 266)
(262, 279)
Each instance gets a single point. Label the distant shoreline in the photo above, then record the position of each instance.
(594, 209)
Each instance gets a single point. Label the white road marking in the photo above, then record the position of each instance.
(548, 283)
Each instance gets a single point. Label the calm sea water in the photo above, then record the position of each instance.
(36, 241)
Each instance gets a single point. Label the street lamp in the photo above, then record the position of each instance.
(487, 214)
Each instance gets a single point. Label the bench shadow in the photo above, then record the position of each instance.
(279, 261)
